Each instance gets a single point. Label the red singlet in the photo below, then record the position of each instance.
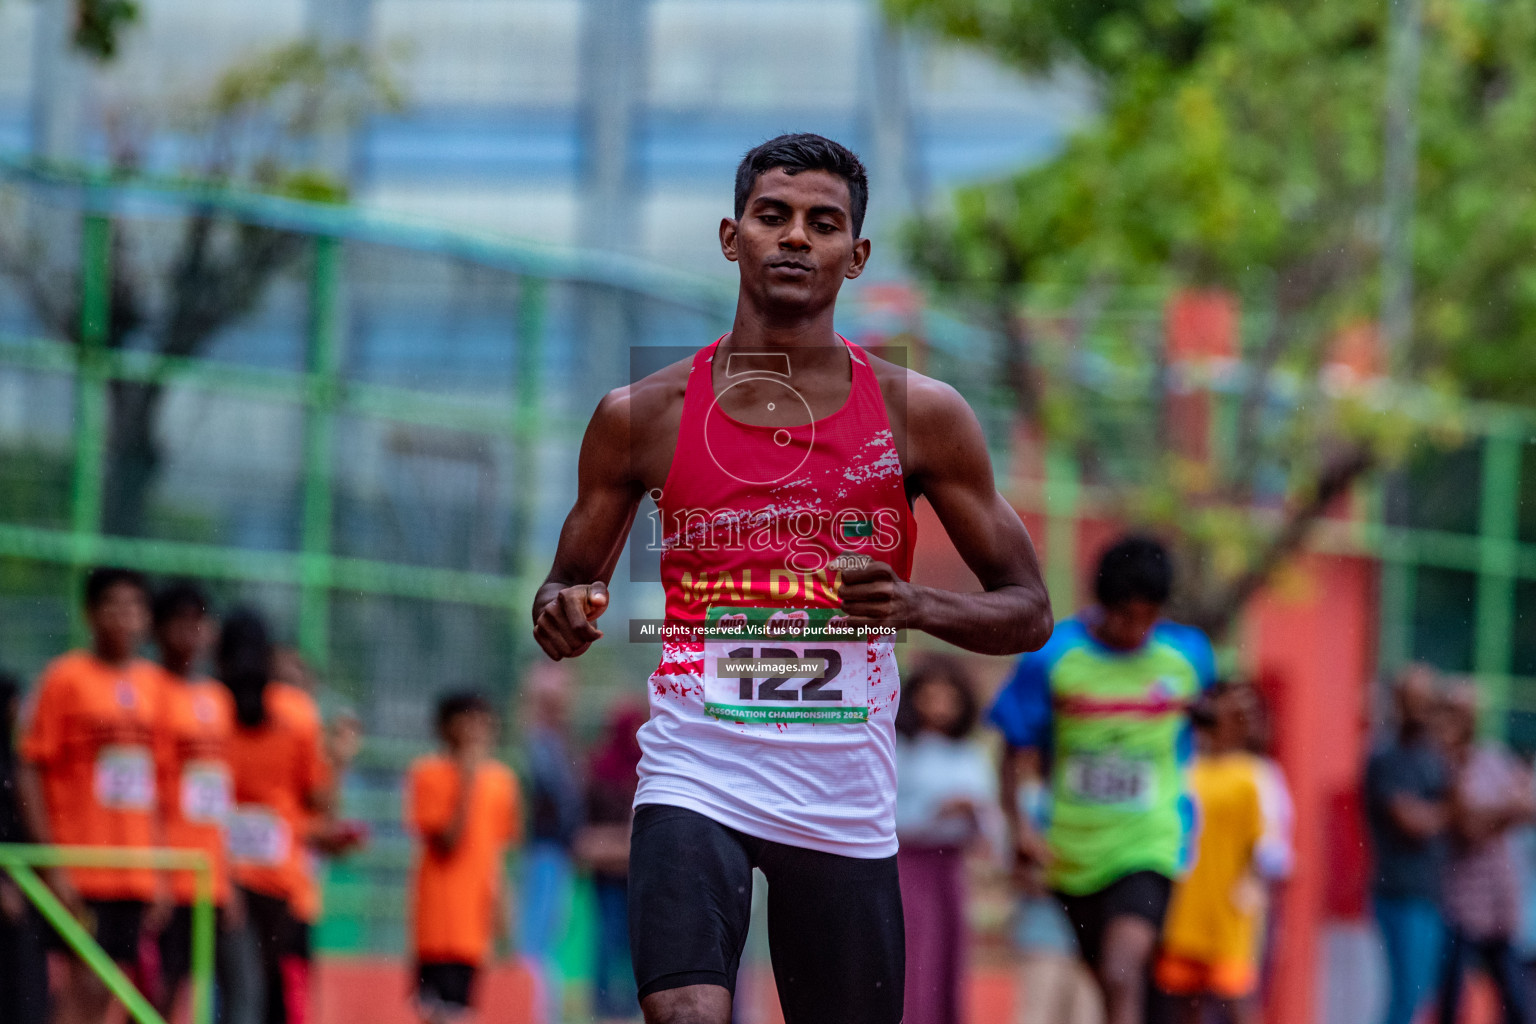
(748, 522)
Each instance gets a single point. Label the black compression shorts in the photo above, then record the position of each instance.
(834, 923)
(1143, 894)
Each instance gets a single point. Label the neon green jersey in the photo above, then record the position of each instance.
(1114, 726)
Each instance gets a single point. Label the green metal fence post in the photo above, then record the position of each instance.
(1395, 588)
(531, 300)
(202, 949)
(1499, 554)
(323, 363)
(1061, 497)
(90, 402)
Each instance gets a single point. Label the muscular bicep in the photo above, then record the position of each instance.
(607, 495)
(954, 472)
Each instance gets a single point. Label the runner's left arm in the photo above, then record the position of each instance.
(948, 463)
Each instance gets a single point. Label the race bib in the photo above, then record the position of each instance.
(205, 792)
(774, 666)
(258, 836)
(1109, 779)
(125, 778)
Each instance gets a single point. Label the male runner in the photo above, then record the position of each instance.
(87, 777)
(784, 462)
(1105, 704)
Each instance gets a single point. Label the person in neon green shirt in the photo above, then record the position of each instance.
(1104, 706)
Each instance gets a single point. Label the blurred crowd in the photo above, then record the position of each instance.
(218, 746)
(113, 750)
(1448, 814)
(1130, 909)
(1143, 830)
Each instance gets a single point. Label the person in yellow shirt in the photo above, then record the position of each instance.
(1210, 950)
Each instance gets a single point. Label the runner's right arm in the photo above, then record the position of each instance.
(607, 497)
(1022, 713)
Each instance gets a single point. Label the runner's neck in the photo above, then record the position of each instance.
(755, 330)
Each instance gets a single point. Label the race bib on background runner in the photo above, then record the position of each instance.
(205, 792)
(779, 665)
(125, 778)
(256, 835)
(1109, 779)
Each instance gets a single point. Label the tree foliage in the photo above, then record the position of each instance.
(257, 129)
(1238, 145)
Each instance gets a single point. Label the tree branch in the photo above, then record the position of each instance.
(1336, 478)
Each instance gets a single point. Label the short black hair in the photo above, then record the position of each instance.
(177, 598)
(938, 669)
(805, 152)
(1135, 568)
(460, 702)
(104, 577)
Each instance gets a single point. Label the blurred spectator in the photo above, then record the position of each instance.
(602, 847)
(331, 834)
(1407, 785)
(1210, 951)
(87, 777)
(463, 807)
(324, 834)
(1276, 853)
(281, 781)
(289, 666)
(1104, 704)
(23, 965)
(946, 795)
(1491, 794)
(197, 718)
(555, 800)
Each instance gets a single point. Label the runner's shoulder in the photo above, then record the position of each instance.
(927, 403)
(643, 402)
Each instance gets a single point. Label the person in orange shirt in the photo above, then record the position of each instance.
(197, 718)
(325, 836)
(280, 781)
(87, 777)
(463, 807)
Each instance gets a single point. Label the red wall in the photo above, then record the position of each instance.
(1311, 645)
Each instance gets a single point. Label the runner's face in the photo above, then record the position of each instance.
(119, 620)
(794, 242)
(184, 638)
(1125, 626)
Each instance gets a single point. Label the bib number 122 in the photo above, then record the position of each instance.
(772, 688)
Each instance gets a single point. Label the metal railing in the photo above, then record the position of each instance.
(21, 861)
